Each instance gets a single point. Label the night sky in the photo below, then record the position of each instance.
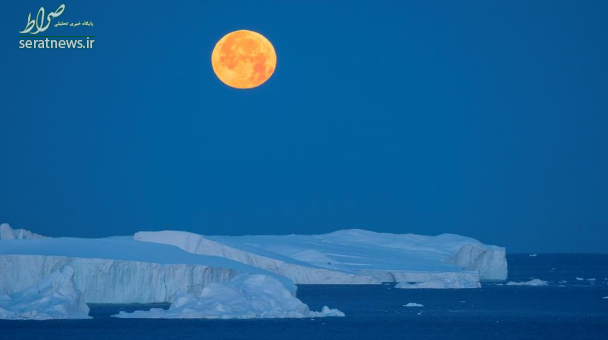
(482, 118)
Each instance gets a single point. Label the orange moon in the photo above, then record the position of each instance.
(243, 59)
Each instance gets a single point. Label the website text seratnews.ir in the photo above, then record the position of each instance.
(54, 42)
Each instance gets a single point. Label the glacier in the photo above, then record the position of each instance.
(55, 297)
(245, 296)
(352, 256)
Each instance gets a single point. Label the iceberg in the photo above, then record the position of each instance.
(351, 256)
(167, 263)
(413, 304)
(55, 297)
(245, 296)
(8, 233)
(533, 282)
(115, 270)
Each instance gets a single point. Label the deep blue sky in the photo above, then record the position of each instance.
(482, 118)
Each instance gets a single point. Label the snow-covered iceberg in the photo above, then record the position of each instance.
(8, 233)
(245, 296)
(117, 270)
(351, 256)
(114, 269)
(55, 297)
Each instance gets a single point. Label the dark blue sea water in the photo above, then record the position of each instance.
(569, 308)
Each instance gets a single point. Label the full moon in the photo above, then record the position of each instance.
(243, 59)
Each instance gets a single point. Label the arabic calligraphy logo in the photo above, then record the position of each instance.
(39, 21)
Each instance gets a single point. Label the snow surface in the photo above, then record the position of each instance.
(55, 297)
(114, 270)
(533, 282)
(299, 272)
(439, 284)
(413, 304)
(367, 257)
(245, 296)
(8, 233)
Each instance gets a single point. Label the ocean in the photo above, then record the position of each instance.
(571, 306)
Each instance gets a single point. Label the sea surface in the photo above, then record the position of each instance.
(571, 306)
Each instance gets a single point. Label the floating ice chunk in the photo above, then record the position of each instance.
(605, 297)
(8, 233)
(580, 279)
(246, 296)
(413, 304)
(55, 297)
(439, 284)
(533, 255)
(591, 279)
(533, 282)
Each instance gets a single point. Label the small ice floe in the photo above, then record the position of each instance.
(533, 255)
(579, 279)
(413, 304)
(445, 283)
(591, 279)
(533, 282)
(563, 282)
(605, 297)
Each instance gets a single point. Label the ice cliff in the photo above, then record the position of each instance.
(117, 270)
(245, 296)
(55, 297)
(489, 261)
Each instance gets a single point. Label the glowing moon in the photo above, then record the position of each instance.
(243, 59)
